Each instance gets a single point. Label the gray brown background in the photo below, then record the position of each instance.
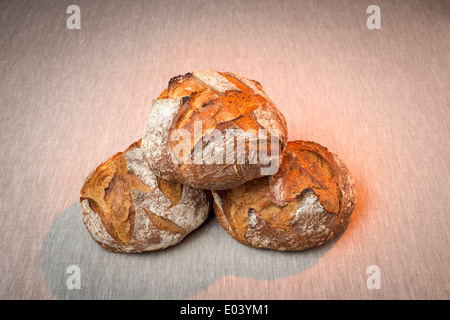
(379, 99)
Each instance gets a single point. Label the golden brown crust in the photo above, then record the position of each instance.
(126, 208)
(171, 189)
(306, 165)
(305, 204)
(221, 102)
(215, 111)
(182, 86)
(164, 224)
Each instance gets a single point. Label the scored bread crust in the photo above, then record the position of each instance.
(127, 208)
(222, 102)
(304, 205)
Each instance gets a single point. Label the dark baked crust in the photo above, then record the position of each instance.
(304, 205)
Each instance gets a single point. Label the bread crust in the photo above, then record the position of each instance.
(230, 108)
(127, 208)
(295, 209)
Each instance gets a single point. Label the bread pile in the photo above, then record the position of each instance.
(216, 137)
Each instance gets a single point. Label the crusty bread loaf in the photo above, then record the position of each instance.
(127, 208)
(194, 128)
(305, 204)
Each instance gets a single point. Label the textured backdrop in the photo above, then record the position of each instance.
(380, 99)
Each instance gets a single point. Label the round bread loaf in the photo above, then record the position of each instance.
(127, 208)
(214, 130)
(305, 204)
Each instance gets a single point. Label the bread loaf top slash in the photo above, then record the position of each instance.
(214, 130)
(305, 204)
(127, 208)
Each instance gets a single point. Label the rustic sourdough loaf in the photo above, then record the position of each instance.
(305, 204)
(127, 208)
(196, 125)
